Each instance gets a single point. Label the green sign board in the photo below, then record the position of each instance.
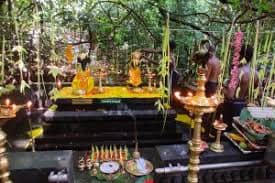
(110, 101)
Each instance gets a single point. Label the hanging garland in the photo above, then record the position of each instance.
(237, 44)
(69, 55)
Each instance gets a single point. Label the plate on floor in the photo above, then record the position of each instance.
(109, 167)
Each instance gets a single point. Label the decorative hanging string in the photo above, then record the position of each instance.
(215, 31)
(237, 44)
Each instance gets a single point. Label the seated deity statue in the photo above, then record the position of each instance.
(83, 83)
(134, 71)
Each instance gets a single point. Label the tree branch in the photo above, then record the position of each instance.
(246, 21)
(128, 9)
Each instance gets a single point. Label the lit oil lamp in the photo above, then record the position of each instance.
(198, 104)
(29, 105)
(101, 74)
(5, 109)
(7, 102)
(4, 165)
(220, 126)
(13, 107)
(150, 75)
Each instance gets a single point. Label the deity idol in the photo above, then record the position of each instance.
(134, 71)
(83, 83)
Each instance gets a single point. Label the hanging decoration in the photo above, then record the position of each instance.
(69, 55)
(135, 76)
(237, 45)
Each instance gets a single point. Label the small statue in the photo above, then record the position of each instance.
(83, 83)
(134, 71)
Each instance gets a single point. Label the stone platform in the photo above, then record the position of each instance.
(77, 122)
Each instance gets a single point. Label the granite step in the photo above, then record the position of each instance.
(40, 146)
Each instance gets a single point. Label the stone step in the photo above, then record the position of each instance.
(87, 145)
(104, 115)
(109, 135)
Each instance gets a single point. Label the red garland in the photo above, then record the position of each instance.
(149, 181)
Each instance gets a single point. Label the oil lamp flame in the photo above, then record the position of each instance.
(177, 94)
(189, 94)
(59, 84)
(29, 104)
(7, 102)
(216, 101)
(13, 107)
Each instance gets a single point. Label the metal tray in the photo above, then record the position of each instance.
(237, 145)
(131, 168)
(247, 139)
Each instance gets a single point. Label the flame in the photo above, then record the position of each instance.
(59, 84)
(7, 102)
(189, 94)
(216, 101)
(177, 94)
(29, 104)
(13, 107)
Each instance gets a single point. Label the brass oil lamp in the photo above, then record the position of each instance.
(150, 75)
(219, 126)
(198, 105)
(7, 111)
(100, 75)
(4, 163)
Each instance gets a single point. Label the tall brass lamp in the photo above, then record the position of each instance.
(198, 105)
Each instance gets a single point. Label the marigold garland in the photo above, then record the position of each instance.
(69, 55)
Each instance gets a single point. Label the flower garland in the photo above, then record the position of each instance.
(69, 55)
(238, 38)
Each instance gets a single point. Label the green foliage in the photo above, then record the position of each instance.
(6, 90)
(53, 93)
(55, 71)
(110, 23)
(236, 4)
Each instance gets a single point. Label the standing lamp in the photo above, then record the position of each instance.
(101, 74)
(4, 163)
(28, 111)
(198, 105)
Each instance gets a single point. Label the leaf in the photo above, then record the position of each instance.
(7, 89)
(19, 49)
(53, 107)
(23, 85)
(20, 64)
(55, 71)
(261, 74)
(238, 92)
(53, 93)
(256, 91)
